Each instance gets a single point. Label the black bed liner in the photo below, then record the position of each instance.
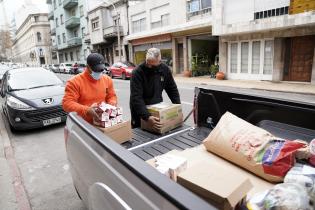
(191, 137)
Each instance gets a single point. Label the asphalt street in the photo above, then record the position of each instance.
(41, 157)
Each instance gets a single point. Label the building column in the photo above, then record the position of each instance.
(223, 56)
(186, 57)
(131, 53)
(278, 60)
(174, 55)
(313, 70)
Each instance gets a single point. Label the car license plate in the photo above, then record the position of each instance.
(52, 121)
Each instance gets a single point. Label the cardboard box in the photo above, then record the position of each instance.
(216, 180)
(170, 115)
(120, 132)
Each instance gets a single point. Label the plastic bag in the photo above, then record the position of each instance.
(287, 196)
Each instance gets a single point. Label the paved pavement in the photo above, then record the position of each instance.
(40, 154)
(289, 87)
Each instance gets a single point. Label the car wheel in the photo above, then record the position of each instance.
(123, 76)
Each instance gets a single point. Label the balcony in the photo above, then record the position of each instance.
(53, 32)
(54, 48)
(75, 41)
(112, 31)
(68, 4)
(72, 22)
(51, 15)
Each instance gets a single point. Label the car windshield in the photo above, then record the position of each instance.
(68, 64)
(82, 65)
(30, 79)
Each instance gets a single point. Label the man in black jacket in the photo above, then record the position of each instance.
(147, 83)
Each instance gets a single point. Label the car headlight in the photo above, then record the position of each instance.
(129, 70)
(17, 104)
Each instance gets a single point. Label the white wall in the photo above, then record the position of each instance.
(261, 5)
(238, 11)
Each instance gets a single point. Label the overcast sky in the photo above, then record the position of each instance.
(11, 7)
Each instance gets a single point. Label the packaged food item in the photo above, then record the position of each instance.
(108, 115)
(287, 196)
(175, 164)
(252, 148)
(303, 175)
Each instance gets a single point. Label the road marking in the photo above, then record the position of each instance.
(187, 103)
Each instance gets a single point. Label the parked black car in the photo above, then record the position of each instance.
(32, 98)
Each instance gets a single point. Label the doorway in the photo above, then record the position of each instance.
(42, 60)
(299, 58)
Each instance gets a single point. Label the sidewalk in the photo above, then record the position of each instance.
(7, 193)
(289, 87)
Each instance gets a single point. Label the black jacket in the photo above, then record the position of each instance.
(146, 87)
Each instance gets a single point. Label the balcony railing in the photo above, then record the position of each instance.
(112, 31)
(68, 4)
(75, 41)
(53, 31)
(199, 12)
(51, 15)
(72, 22)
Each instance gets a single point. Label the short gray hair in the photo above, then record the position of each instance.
(153, 53)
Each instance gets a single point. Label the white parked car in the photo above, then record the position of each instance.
(65, 68)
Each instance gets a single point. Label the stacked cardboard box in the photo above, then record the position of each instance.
(112, 124)
(170, 116)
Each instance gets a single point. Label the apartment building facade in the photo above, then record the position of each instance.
(181, 29)
(69, 28)
(104, 24)
(268, 40)
(32, 43)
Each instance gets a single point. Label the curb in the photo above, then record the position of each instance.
(196, 82)
(17, 183)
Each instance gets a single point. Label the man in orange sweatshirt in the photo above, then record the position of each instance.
(85, 90)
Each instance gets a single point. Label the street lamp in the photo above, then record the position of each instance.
(117, 27)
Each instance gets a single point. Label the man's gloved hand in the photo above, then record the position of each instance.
(154, 122)
(92, 111)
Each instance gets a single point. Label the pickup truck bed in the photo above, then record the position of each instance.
(102, 170)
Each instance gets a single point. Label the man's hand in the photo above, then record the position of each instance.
(154, 122)
(92, 111)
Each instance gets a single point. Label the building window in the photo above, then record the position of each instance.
(95, 24)
(55, 4)
(61, 19)
(71, 56)
(256, 57)
(233, 65)
(271, 13)
(268, 54)
(139, 25)
(39, 36)
(81, 11)
(75, 33)
(66, 56)
(78, 54)
(72, 13)
(59, 2)
(244, 57)
(56, 20)
(198, 7)
(164, 21)
(63, 37)
(59, 40)
(83, 31)
(36, 19)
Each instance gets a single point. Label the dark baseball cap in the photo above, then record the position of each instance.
(96, 62)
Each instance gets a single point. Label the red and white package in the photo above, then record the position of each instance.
(114, 121)
(119, 119)
(119, 110)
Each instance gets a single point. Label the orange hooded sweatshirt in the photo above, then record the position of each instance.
(82, 91)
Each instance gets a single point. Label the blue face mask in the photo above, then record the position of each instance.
(96, 75)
